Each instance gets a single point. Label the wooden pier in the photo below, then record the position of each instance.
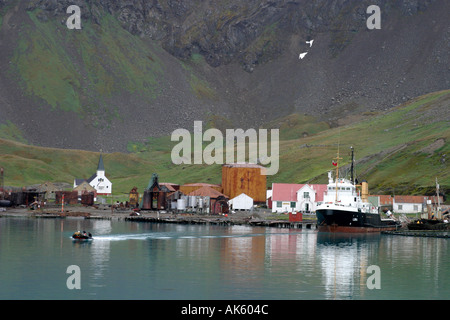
(284, 224)
(226, 221)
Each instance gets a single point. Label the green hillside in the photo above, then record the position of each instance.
(398, 151)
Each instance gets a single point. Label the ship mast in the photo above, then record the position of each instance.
(352, 167)
(337, 172)
(438, 211)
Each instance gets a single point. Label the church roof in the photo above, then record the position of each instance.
(92, 177)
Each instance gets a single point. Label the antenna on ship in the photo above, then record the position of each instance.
(2, 186)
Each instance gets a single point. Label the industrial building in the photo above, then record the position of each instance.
(155, 195)
(209, 200)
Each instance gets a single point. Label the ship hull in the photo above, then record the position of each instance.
(333, 220)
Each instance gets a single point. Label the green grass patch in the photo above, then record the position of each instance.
(10, 131)
(44, 67)
(83, 70)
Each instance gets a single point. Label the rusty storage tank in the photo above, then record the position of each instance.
(245, 178)
(154, 200)
(87, 198)
(70, 197)
(147, 200)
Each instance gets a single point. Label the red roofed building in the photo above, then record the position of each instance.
(290, 197)
(403, 204)
(409, 204)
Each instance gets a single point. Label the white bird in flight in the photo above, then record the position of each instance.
(310, 43)
(302, 55)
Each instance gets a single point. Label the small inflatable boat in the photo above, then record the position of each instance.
(82, 236)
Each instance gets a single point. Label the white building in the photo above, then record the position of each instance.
(306, 198)
(98, 181)
(241, 202)
(291, 197)
(409, 204)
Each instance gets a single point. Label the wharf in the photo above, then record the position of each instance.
(226, 221)
(244, 218)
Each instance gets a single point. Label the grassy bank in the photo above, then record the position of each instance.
(400, 151)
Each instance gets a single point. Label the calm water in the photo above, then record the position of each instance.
(128, 260)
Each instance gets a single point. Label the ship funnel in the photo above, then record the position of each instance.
(365, 191)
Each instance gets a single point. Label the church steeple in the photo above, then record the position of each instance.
(100, 167)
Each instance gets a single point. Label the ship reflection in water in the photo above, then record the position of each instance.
(344, 259)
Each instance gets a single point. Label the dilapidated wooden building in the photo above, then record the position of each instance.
(155, 195)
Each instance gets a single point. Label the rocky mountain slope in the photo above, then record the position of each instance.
(144, 68)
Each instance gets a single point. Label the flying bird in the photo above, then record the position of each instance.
(302, 55)
(310, 43)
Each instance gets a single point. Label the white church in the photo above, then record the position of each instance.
(98, 180)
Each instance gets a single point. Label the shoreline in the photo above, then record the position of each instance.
(264, 219)
(256, 219)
